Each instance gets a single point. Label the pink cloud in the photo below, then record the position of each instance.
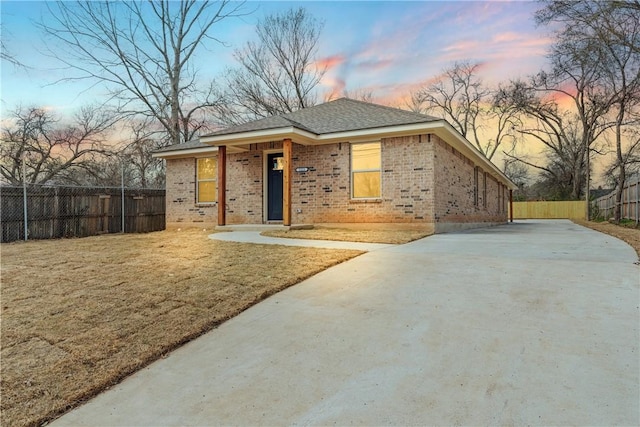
(463, 45)
(330, 62)
(506, 37)
(335, 86)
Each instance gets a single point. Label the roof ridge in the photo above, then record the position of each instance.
(396, 109)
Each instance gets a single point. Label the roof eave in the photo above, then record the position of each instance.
(253, 137)
(441, 128)
(190, 152)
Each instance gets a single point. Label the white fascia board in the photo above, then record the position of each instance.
(192, 152)
(441, 128)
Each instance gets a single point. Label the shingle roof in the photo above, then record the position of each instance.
(195, 143)
(341, 115)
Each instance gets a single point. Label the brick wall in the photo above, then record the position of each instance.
(181, 195)
(244, 185)
(455, 198)
(323, 194)
(423, 179)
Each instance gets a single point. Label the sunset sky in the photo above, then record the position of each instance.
(387, 48)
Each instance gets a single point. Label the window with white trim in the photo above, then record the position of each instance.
(366, 170)
(207, 176)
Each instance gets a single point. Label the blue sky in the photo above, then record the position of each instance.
(387, 48)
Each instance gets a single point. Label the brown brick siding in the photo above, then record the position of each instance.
(181, 194)
(324, 193)
(244, 185)
(423, 180)
(454, 182)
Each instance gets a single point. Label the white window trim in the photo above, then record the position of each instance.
(198, 181)
(351, 170)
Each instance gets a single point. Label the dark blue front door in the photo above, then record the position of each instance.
(274, 187)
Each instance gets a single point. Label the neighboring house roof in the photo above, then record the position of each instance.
(342, 120)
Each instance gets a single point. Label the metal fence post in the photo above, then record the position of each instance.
(24, 197)
(122, 195)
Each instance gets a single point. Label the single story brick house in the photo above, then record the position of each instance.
(343, 161)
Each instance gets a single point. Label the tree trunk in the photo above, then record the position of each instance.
(622, 173)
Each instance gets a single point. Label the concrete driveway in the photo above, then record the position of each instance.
(529, 323)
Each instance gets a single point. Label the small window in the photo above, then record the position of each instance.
(475, 186)
(366, 171)
(484, 190)
(206, 191)
(278, 164)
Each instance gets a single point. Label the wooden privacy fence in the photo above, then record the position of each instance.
(550, 210)
(54, 212)
(630, 201)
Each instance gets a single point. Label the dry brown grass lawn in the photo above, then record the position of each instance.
(362, 234)
(78, 315)
(629, 235)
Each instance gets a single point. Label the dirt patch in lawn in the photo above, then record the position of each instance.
(79, 315)
(627, 234)
(364, 233)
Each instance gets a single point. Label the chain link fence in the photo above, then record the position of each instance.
(48, 212)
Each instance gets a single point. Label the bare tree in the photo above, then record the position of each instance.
(517, 172)
(627, 159)
(145, 170)
(358, 95)
(5, 53)
(457, 95)
(143, 53)
(568, 135)
(460, 97)
(52, 150)
(415, 103)
(569, 13)
(277, 73)
(605, 36)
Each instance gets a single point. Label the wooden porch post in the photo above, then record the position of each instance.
(222, 185)
(286, 191)
(511, 205)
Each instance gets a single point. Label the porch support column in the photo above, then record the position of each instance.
(286, 178)
(511, 205)
(222, 185)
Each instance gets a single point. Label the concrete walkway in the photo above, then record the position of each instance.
(255, 237)
(532, 323)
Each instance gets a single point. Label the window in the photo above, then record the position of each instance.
(475, 186)
(484, 190)
(206, 180)
(365, 170)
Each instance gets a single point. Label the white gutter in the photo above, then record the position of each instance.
(193, 152)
